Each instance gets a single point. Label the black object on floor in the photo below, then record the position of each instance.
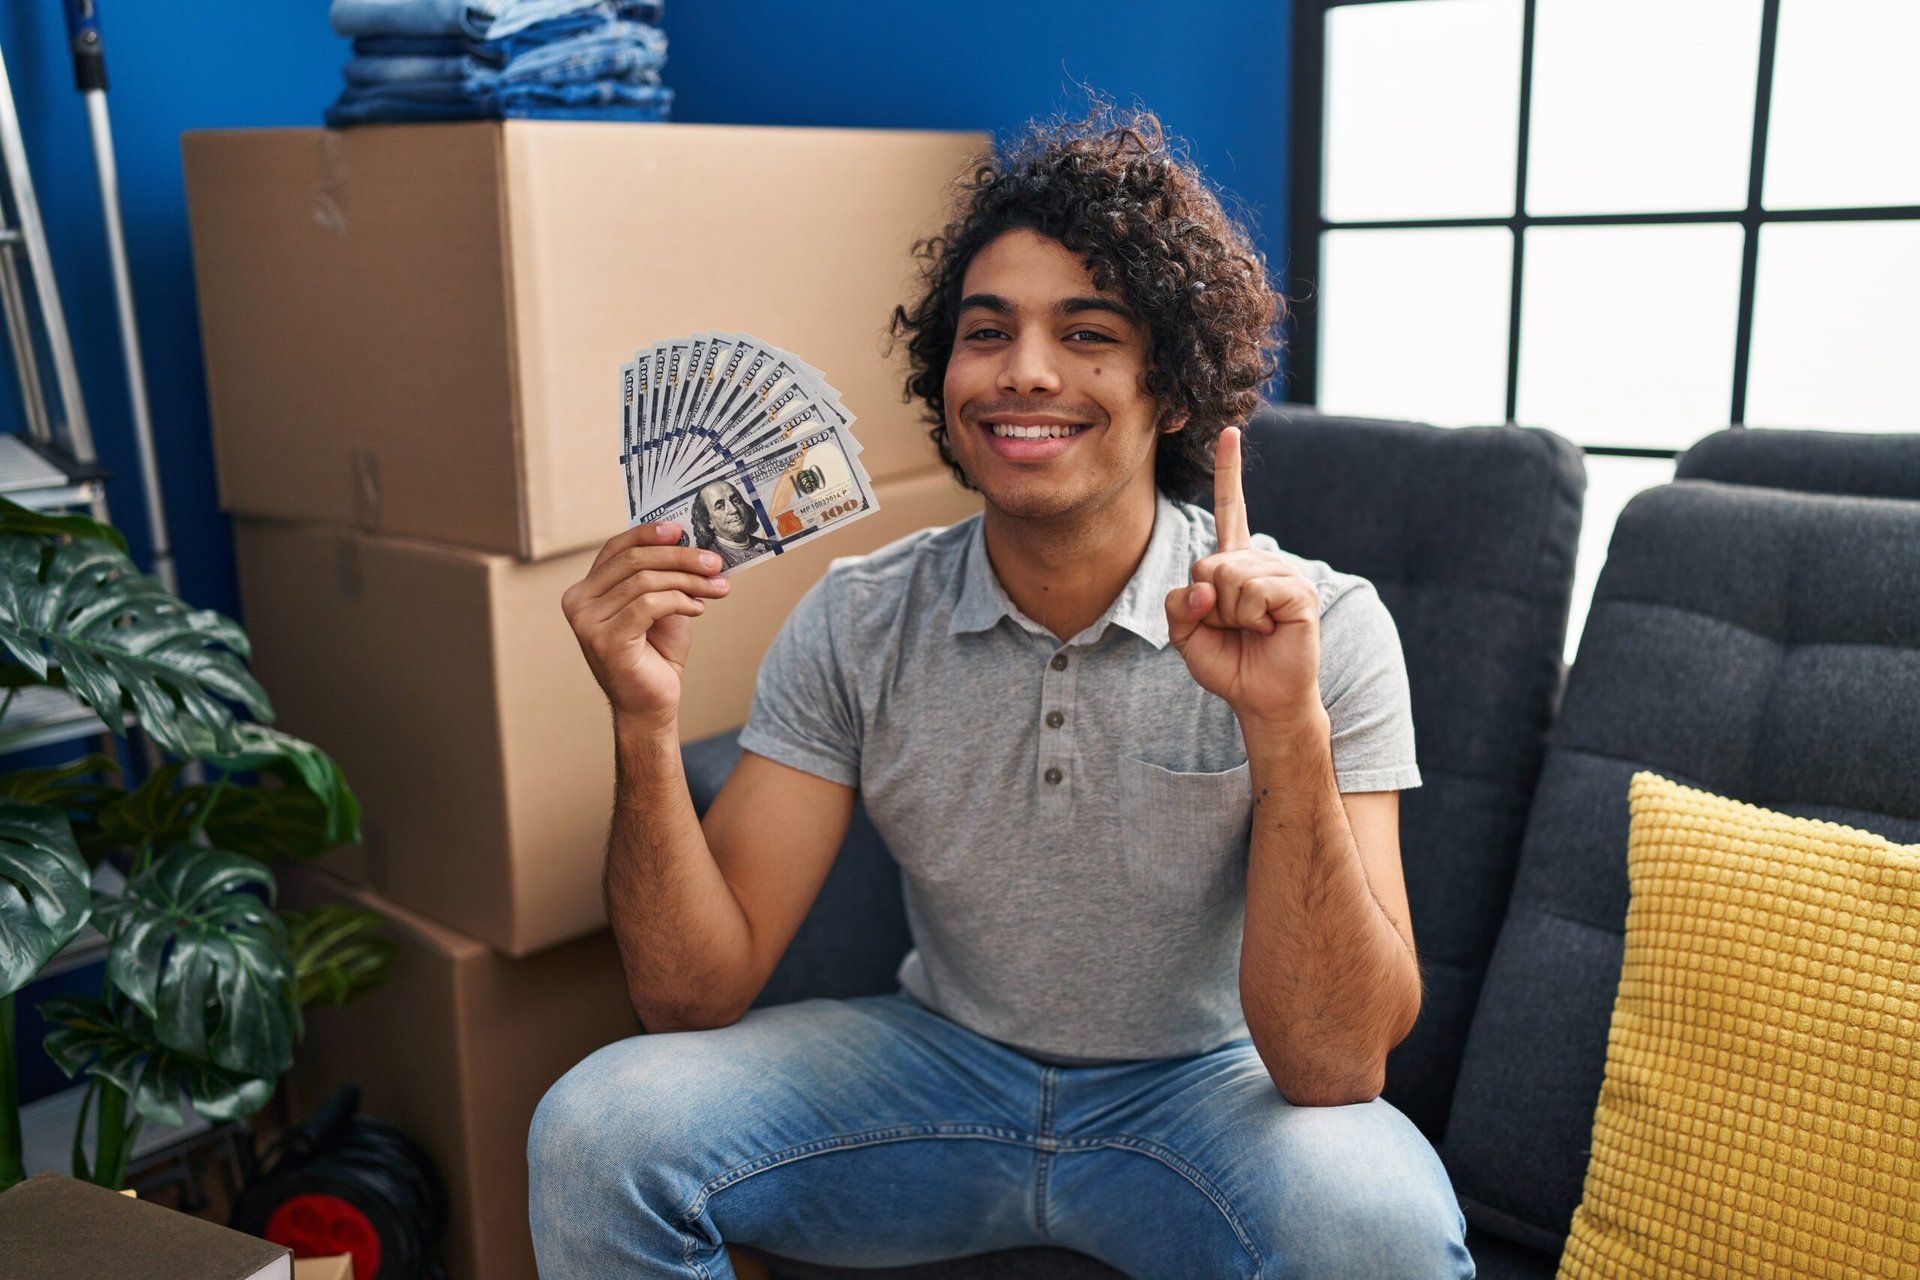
(340, 1182)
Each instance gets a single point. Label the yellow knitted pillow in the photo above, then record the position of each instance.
(1760, 1114)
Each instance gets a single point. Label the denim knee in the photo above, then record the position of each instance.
(1365, 1195)
(607, 1169)
(586, 1126)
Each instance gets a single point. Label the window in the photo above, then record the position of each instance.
(1634, 222)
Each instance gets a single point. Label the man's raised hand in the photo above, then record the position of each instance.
(1249, 626)
(632, 615)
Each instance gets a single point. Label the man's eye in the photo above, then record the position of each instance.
(1095, 334)
(985, 333)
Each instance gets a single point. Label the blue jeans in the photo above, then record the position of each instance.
(412, 17)
(874, 1132)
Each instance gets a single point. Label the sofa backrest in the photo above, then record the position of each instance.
(1867, 466)
(855, 934)
(1750, 641)
(1469, 535)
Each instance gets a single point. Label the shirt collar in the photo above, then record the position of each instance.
(1141, 606)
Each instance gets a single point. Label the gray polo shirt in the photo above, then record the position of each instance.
(1071, 820)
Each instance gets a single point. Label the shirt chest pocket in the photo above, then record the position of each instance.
(1185, 834)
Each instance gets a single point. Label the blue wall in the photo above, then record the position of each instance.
(171, 68)
(1216, 71)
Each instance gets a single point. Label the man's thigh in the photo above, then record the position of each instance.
(1232, 1173)
(859, 1132)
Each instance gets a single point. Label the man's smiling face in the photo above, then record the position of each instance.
(1046, 408)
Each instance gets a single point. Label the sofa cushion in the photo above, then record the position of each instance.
(1469, 535)
(1756, 643)
(1760, 1101)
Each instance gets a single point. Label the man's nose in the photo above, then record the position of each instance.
(1029, 367)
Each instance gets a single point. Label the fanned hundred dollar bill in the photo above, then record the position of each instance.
(746, 447)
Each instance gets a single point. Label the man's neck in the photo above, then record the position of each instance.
(1066, 572)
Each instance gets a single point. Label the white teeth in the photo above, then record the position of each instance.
(1007, 431)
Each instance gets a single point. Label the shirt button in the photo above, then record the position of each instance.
(1059, 662)
(1053, 775)
(1055, 719)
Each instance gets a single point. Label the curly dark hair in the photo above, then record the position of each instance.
(1111, 189)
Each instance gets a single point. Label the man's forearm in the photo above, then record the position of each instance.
(1327, 983)
(684, 941)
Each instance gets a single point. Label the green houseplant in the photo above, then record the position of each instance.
(205, 980)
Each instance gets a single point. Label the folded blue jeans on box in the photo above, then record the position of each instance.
(596, 93)
(473, 19)
(505, 48)
(616, 50)
(469, 18)
(394, 108)
(411, 46)
(371, 72)
(512, 16)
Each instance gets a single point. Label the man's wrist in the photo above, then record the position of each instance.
(644, 734)
(1284, 736)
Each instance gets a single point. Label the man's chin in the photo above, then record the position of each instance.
(1031, 502)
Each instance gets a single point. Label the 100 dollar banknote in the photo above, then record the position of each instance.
(765, 504)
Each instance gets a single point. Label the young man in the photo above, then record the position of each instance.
(1139, 768)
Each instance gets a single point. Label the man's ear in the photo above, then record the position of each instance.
(1174, 420)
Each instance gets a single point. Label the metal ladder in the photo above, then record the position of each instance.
(52, 466)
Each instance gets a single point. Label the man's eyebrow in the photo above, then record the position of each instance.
(1064, 307)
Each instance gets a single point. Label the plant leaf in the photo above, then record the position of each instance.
(15, 518)
(65, 787)
(301, 807)
(125, 1049)
(335, 953)
(304, 767)
(44, 895)
(154, 813)
(119, 637)
(199, 952)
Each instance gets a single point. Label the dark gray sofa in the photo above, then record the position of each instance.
(1753, 641)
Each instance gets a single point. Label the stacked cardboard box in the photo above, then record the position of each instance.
(413, 338)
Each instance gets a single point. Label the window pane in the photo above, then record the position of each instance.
(1611, 484)
(1627, 333)
(1844, 130)
(1413, 324)
(1423, 109)
(1835, 326)
(1642, 105)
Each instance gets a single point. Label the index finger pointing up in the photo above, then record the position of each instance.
(1229, 500)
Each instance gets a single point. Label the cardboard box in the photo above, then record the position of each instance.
(337, 1267)
(418, 329)
(450, 688)
(457, 1050)
(54, 1226)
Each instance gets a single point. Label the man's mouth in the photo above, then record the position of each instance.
(1043, 431)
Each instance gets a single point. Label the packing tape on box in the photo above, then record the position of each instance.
(328, 191)
(366, 488)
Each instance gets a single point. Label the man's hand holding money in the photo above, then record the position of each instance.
(633, 616)
(1249, 626)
